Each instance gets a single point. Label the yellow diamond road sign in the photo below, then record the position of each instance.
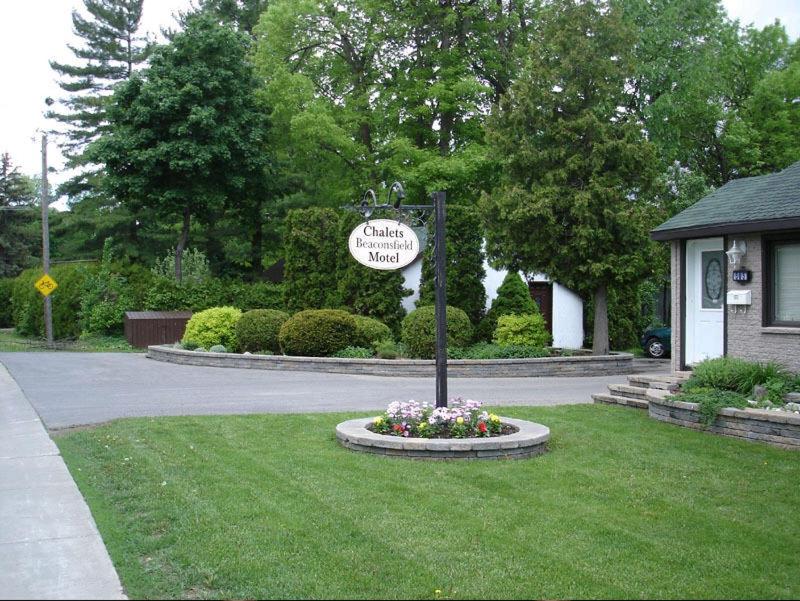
(45, 285)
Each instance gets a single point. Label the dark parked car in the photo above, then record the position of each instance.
(656, 342)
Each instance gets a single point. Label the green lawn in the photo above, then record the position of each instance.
(10, 341)
(621, 507)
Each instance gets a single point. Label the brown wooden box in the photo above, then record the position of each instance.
(143, 328)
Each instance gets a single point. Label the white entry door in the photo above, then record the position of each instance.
(705, 299)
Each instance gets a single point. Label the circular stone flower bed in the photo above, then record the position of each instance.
(461, 431)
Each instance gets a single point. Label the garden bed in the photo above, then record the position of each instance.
(529, 439)
(591, 365)
(778, 428)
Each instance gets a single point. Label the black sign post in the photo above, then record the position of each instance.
(440, 286)
(440, 266)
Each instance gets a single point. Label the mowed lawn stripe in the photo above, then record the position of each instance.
(272, 506)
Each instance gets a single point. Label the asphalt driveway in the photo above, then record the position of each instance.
(70, 389)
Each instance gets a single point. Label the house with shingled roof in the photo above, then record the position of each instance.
(735, 265)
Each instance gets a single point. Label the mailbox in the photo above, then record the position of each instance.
(740, 297)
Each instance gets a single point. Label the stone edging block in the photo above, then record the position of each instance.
(530, 440)
(777, 428)
(600, 365)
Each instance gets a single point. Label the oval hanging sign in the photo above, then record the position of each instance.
(383, 244)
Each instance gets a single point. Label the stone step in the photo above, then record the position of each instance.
(660, 381)
(627, 391)
(612, 399)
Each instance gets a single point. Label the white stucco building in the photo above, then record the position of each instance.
(561, 307)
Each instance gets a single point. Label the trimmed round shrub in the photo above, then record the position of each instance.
(522, 330)
(218, 348)
(213, 326)
(317, 333)
(419, 331)
(370, 331)
(257, 330)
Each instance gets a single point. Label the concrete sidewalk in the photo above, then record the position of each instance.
(49, 544)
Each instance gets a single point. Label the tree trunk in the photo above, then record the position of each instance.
(182, 245)
(600, 344)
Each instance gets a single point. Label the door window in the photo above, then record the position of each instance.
(712, 282)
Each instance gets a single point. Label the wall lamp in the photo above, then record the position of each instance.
(737, 251)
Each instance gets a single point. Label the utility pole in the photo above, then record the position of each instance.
(48, 306)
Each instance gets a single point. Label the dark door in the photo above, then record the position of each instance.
(542, 295)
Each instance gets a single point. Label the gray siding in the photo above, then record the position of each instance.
(747, 338)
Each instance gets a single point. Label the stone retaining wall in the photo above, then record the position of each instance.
(601, 365)
(530, 440)
(778, 428)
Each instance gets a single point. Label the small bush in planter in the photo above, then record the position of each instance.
(389, 349)
(419, 331)
(483, 350)
(371, 331)
(258, 330)
(317, 333)
(217, 348)
(711, 400)
(213, 326)
(730, 373)
(525, 330)
(354, 352)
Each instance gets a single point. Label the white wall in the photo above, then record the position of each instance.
(567, 306)
(567, 318)
(412, 274)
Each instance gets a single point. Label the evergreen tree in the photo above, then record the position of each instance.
(513, 298)
(186, 136)
(465, 271)
(310, 271)
(371, 292)
(19, 233)
(574, 161)
(112, 49)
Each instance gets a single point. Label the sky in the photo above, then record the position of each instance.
(32, 32)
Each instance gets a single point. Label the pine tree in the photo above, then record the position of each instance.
(111, 51)
(18, 231)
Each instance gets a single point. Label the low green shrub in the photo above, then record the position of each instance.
(485, 350)
(27, 305)
(213, 326)
(255, 295)
(257, 330)
(389, 349)
(711, 400)
(218, 348)
(731, 373)
(354, 352)
(317, 333)
(105, 298)
(6, 315)
(371, 331)
(522, 330)
(165, 294)
(419, 331)
(189, 344)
